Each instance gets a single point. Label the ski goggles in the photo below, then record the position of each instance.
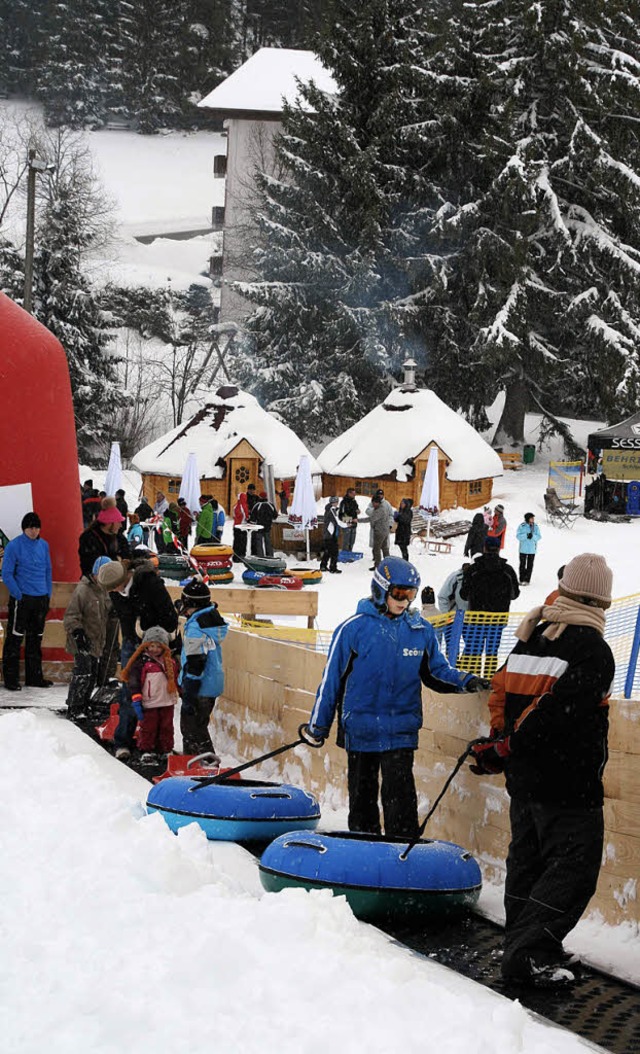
(403, 593)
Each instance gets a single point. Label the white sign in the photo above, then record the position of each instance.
(291, 534)
(15, 502)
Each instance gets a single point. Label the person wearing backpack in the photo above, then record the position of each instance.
(489, 584)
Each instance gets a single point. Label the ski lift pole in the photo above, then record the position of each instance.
(458, 765)
(228, 773)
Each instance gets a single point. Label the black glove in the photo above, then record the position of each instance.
(477, 684)
(83, 644)
(490, 755)
(312, 739)
(530, 534)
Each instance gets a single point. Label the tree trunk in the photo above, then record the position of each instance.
(510, 430)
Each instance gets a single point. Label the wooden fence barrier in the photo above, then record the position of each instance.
(269, 691)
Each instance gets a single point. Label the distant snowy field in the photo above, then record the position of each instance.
(158, 184)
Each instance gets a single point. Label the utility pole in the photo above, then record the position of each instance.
(34, 165)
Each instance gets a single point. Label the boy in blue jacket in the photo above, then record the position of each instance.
(26, 572)
(201, 675)
(377, 662)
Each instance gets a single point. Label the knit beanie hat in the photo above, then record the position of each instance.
(31, 519)
(109, 513)
(156, 635)
(100, 562)
(112, 575)
(588, 575)
(196, 592)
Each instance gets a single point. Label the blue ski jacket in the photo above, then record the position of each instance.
(373, 680)
(27, 567)
(201, 660)
(528, 544)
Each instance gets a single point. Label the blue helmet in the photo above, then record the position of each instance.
(100, 562)
(392, 571)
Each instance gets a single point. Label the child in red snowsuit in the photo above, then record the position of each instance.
(152, 674)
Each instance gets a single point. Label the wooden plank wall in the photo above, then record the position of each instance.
(269, 692)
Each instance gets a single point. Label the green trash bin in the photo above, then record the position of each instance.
(528, 454)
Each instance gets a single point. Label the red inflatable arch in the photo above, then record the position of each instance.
(37, 432)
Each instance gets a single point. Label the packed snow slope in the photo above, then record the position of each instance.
(120, 936)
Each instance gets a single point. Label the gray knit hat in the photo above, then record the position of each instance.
(156, 635)
(588, 575)
(112, 575)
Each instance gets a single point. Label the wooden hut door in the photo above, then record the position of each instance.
(242, 472)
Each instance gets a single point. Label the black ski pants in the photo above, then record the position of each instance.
(526, 566)
(552, 872)
(330, 551)
(26, 619)
(194, 727)
(83, 681)
(398, 792)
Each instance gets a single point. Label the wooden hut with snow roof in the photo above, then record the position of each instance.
(389, 448)
(233, 438)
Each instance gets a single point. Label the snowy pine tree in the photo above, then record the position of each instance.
(65, 303)
(344, 227)
(545, 254)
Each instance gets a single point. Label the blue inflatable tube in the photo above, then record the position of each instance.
(435, 878)
(234, 810)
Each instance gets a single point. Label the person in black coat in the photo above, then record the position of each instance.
(263, 513)
(489, 584)
(403, 518)
(476, 536)
(103, 538)
(330, 534)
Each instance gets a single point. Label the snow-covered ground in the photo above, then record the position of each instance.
(120, 936)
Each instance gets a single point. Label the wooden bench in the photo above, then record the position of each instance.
(511, 459)
(252, 602)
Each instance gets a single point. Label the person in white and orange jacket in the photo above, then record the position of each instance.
(152, 675)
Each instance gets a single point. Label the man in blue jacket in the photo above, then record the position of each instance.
(377, 661)
(201, 675)
(26, 572)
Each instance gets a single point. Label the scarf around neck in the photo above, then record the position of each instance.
(562, 613)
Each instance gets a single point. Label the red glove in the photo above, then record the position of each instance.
(490, 755)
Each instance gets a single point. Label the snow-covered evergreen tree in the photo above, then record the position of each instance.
(345, 225)
(70, 84)
(545, 254)
(65, 303)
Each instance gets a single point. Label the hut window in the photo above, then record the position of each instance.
(242, 474)
(173, 486)
(368, 487)
(475, 487)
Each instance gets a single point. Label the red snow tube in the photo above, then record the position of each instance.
(37, 432)
(279, 582)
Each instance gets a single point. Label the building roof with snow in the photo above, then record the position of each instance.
(390, 437)
(261, 84)
(227, 418)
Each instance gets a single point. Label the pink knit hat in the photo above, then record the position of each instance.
(588, 575)
(111, 515)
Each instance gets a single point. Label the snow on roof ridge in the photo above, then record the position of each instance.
(379, 445)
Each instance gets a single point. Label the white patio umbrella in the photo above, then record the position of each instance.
(114, 480)
(430, 496)
(190, 485)
(302, 512)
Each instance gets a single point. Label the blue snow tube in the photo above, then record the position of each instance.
(250, 578)
(436, 877)
(234, 810)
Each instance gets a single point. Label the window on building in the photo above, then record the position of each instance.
(173, 486)
(475, 487)
(242, 474)
(220, 166)
(217, 217)
(368, 487)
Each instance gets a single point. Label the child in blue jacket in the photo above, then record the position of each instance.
(378, 660)
(201, 674)
(528, 535)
